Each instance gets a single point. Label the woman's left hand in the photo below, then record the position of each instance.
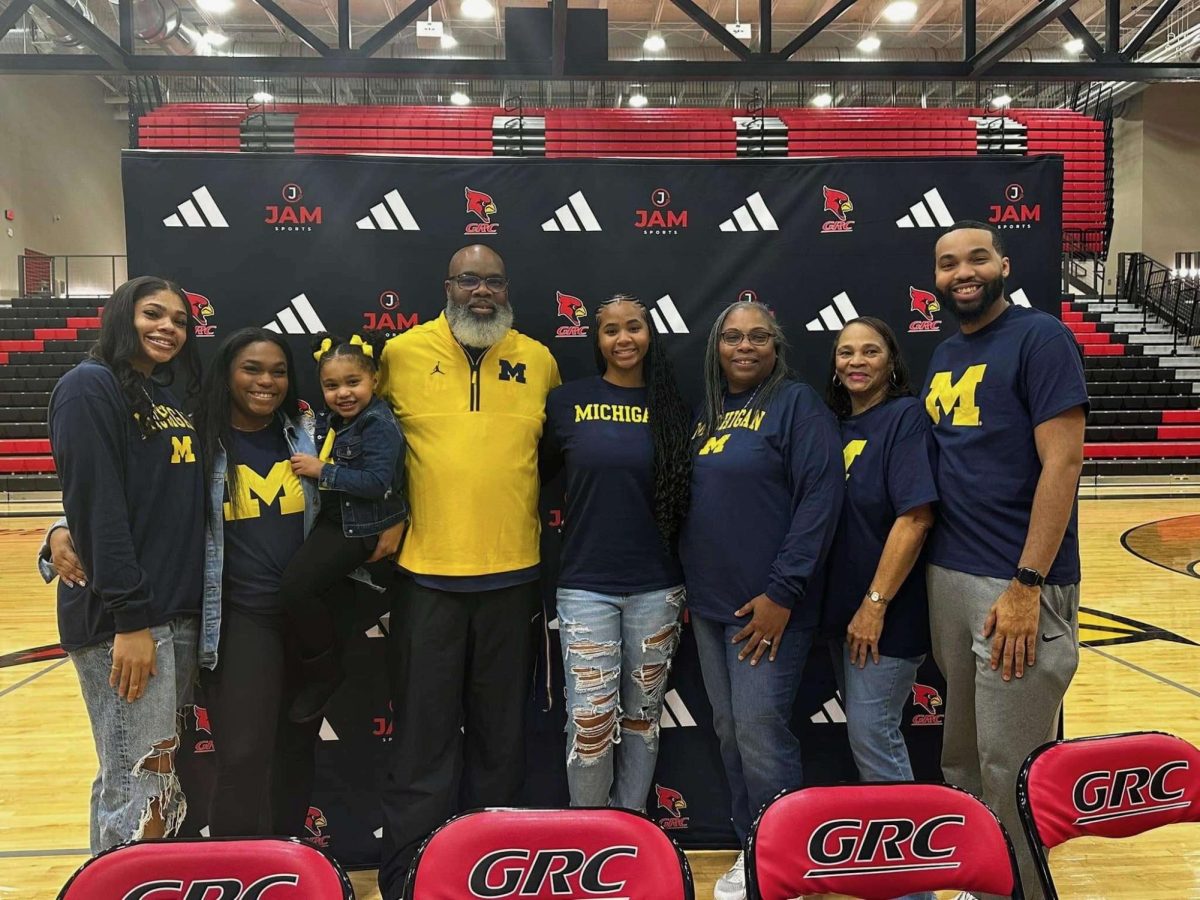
(764, 630)
(306, 465)
(389, 542)
(862, 634)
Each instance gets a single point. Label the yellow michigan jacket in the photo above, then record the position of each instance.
(472, 434)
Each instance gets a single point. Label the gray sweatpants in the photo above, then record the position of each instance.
(992, 725)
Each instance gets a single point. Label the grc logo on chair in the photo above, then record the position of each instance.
(549, 854)
(878, 841)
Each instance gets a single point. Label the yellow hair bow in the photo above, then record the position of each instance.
(326, 346)
(367, 349)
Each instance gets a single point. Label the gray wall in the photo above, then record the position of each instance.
(60, 154)
(1156, 187)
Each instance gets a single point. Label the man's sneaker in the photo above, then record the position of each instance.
(732, 885)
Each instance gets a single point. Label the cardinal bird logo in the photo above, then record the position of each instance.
(570, 308)
(480, 204)
(670, 800)
(201, 306)
(926, 697)
(924, 303)
(837, 202)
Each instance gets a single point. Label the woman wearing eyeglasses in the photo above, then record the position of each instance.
(623, 436)
(767, 483)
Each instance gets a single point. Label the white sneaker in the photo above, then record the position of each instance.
(732, 885)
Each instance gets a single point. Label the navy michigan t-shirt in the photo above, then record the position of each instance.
(265, 528)
(611, 543)
(135, 506)
(985, 393)
(766, 493)
(889, 457)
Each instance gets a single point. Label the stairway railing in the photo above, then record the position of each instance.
(1171, 295)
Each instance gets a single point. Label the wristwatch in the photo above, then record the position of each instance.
(1030, 577)
(876, 597)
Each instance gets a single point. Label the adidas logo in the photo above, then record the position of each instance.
(583, 219)
(1018, 297)
(754, 216)
(392, 217)
(191, 215)
(327, 733)
(827, 319)
(675, 714)
(666, 317)
(831, 711)
(920, 213)
(298, 317)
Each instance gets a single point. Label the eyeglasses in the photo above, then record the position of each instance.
(472, 282)
(759, 337)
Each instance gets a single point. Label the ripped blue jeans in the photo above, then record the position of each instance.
(617, 651)
(134, 780)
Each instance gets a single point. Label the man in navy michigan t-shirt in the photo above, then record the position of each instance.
(1008, 401)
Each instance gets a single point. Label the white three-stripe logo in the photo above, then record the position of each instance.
(666, 317)
(827, 319)
(391, 215)
(754, 216)
(930, 213)
(582, 219)
(831, 711)
(191, 215)
(674, 713)
(298, 317)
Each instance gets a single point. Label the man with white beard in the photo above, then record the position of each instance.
(469, 393)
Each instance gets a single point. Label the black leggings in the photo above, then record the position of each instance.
(264, 760)
(324, 559)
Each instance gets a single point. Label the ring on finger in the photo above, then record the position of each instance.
(766, 641)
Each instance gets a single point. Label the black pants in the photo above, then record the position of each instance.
(322, 562)
(264, 761)
(456, 660)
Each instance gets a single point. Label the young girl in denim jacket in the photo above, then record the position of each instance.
(360, 471)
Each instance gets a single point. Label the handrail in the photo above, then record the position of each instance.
(1171, 295)
(93, 275)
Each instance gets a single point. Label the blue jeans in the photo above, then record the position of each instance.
(752, 712)
(126, 734)
(875, 698)
(617, 651)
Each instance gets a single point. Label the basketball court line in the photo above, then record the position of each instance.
(1160, 678)
(34, 676)
(15, 854)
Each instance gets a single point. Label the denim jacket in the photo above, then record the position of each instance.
(366, 467)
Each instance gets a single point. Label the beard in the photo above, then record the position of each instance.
(478, 331)
(992, 291)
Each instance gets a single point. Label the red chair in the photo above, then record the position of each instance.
(878, 841)
(213, 868)
(1111, 786)
(549, 854)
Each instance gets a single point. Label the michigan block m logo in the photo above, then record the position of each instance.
(181, 449)
(280, 482)
(509, 372)
(714, 445)
(957, 397)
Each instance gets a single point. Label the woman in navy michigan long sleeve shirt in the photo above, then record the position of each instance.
(767, 483)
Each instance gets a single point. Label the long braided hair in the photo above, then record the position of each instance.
(119, 342)
(715, 385)
(670, 428)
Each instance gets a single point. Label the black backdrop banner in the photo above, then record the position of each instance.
(307, 243)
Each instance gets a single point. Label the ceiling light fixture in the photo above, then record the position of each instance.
(637, 101)
(822, 100)
(869, 44)
(262, 97)
(900, 11)
(458, 98)
(1075, 46)
(654, 43)
(1002, 100)
(477, 9)
(215, 6)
